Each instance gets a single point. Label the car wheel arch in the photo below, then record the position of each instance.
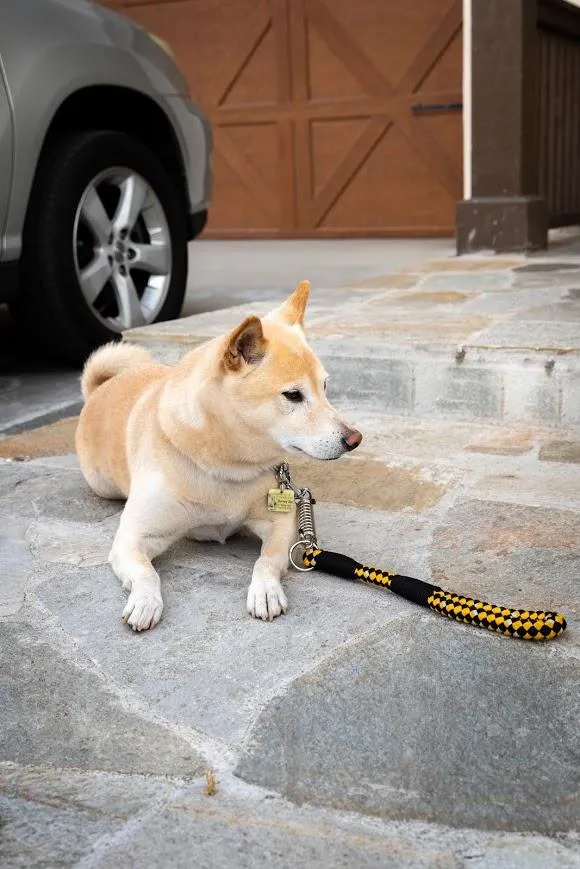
(120, 109)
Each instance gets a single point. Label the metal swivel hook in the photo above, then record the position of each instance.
(306, 527)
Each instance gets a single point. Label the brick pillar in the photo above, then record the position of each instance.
(505, 211)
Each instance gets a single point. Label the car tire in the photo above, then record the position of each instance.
(51, 308)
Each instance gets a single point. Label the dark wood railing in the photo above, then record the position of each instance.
(558, 85)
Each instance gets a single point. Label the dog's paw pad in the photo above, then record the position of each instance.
(266, 600)
(143, 610)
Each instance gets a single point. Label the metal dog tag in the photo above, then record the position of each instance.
(280, 500)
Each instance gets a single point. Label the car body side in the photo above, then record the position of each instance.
(88, 66)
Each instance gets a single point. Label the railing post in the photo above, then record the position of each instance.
(503, 210)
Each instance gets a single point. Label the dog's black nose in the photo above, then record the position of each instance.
(351, 438)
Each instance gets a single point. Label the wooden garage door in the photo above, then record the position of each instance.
(323, 111)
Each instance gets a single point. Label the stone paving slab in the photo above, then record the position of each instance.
(496, 463)
(521, 552)
(563, 451)
(31, 491)
(15, 562)
(24, 394)
(44, 440)
(420, 721)
(356, 700)
(86, 819)
(494, 288)
(279, 836)
(60, 711)
(187, 833)
(53, 817)
(549, 336)
(208, 666)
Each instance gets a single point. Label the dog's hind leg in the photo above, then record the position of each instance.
(147, 529)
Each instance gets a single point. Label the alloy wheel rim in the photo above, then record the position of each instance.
(122, 249)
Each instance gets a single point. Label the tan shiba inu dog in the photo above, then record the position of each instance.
(191, 447)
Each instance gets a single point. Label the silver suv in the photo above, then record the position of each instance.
(104, 174)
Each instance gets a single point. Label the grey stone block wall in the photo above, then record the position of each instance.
(533, 395)
(471, 384)
(571, 398)
(388, 383)
(491, 388)
(462, 392)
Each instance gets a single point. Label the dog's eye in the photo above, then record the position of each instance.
(293, 395)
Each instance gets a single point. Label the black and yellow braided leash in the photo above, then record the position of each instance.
(522, 624)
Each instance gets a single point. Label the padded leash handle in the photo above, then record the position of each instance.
(522, 624)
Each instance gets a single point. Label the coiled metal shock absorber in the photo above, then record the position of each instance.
(306, 527)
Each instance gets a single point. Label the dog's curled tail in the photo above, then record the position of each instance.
(108, 361)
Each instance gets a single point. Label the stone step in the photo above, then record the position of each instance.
(499, 346)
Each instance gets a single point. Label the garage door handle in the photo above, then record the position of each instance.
(424, 108)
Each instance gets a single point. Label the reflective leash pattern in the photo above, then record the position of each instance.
(520, 623)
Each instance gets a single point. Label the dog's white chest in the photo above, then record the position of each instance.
(223, 507)
(211, 523)
(215, 533)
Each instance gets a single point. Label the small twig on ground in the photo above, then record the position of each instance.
(211, 784)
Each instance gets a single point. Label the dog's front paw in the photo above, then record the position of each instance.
(143, 610)
(266, 599)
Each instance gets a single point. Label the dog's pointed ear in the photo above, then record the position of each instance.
(245, 345)
(291, 312)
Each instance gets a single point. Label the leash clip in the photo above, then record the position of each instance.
(306, 527)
